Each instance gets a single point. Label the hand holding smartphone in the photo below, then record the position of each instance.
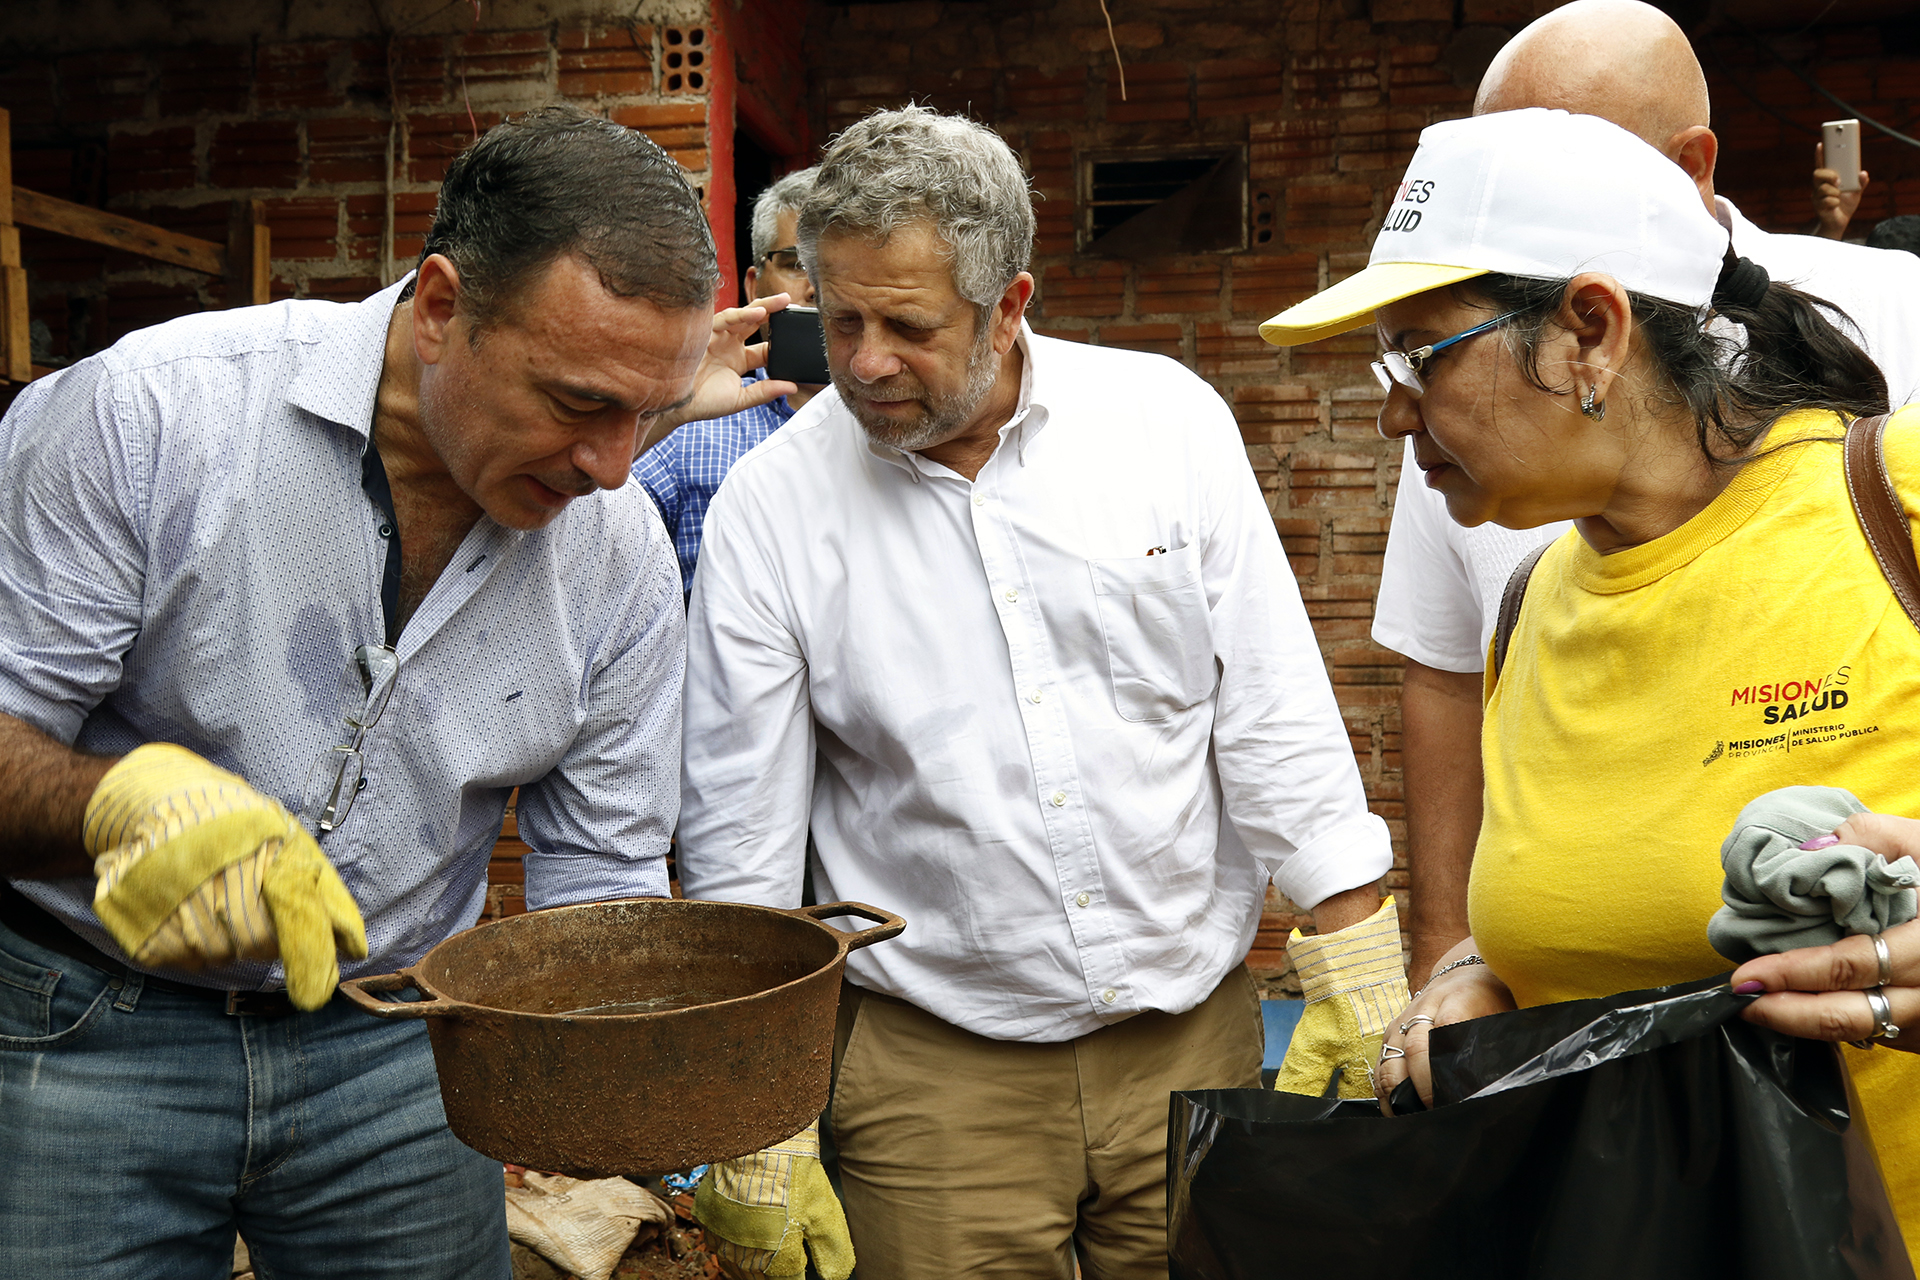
(797, 347)
(1840, 151)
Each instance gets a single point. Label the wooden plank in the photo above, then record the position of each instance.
(15, 334)
(6, 166)
(62, 217)
(249, 255)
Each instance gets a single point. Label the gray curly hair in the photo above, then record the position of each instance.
(786, 195)
(895, 168)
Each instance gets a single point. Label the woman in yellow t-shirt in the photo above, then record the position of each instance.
(1567, 335)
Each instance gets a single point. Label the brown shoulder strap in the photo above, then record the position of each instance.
(1510, 602)
(1882, 518)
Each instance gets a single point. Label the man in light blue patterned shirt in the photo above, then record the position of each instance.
(372, 565)
(682, 472)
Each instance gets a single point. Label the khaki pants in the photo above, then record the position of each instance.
(964, 1156)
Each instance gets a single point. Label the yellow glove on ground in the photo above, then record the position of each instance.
(196, 868)
(765, 1211)
(1354, 983)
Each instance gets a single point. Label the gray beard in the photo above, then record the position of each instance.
(944, 417)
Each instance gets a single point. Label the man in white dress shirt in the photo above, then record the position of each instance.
(1440, 587)
(1005, 621)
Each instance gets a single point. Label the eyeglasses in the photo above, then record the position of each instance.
(787, 259)
(337, 776)
(1403, 368)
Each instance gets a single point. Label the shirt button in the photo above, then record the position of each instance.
(1012, 595)
(386, 531)
(1034, 696)
(1109, 996)
(979, 499)
(1082, 899)
(1059, 798)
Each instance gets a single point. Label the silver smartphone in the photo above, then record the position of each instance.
(1841, 139)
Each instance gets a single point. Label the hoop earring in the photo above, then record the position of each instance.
(1587, 405)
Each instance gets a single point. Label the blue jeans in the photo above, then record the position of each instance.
(140, 1128)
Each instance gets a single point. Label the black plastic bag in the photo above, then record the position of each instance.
(1646, 1135)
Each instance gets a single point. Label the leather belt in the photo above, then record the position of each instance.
(30, 921)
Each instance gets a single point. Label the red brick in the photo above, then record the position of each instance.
(679, 127)
(1289, 148)
(847, 98)
(1186, 287)
(307, 228)
(162, 160)
(205, 79)
(1239, 86)
(1332, 480)
(412, 219)
(606, 61)
(967, 91)
(1224, 350)
(1033, 94)
(434, 140)
(104, 87)
(1266, 284)
(500, 55)
(1161, 339)
(297, 75)
(1338, 211)
(419, 70)
(1337, 361)
(1412, 10)
(1096, 290)
(1065, 335)
(347, 149)
(255, 153)
(1336, 81)
(1155, 91)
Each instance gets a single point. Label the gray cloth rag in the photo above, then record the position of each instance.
(1780, 896)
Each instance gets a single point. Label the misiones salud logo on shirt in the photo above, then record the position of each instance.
(1793, 713)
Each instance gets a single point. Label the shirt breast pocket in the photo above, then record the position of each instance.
(1153, 616)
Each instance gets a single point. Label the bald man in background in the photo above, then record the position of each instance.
(1440, 586)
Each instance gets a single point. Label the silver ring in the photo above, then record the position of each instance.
(1885, 958)
(1408, 1024)
(1883, 1027)
(1389, 1052)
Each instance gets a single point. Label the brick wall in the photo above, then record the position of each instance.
(1768, 118)
(344, 136)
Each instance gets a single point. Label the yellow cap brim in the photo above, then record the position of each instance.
(1350, 304)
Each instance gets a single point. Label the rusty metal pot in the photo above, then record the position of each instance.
(631, 1037)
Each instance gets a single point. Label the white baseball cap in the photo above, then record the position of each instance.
(1538, 193)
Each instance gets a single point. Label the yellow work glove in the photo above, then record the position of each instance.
(196, 868)
(1355, 984)
(766, 1211)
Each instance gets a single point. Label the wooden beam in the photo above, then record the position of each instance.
(249, 255)
(16, 332)
(6, 166)
(62, 217)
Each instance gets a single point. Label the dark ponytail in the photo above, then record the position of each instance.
(1788, 353)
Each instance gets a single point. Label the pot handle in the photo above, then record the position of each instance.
(361, 992)
(890, 925)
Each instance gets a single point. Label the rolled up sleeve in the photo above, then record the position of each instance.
(1287, 773)
(72, 550)
(597, 827)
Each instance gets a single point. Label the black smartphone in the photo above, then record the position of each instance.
(797, 347)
